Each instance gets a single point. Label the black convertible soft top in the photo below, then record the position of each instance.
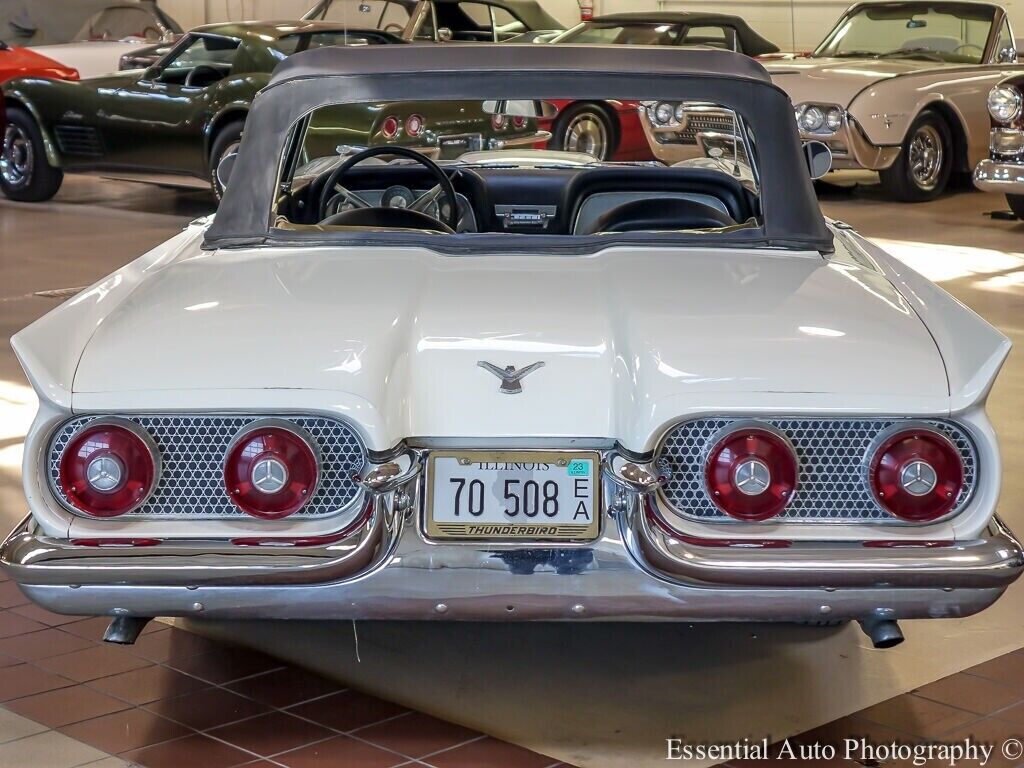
(470, 72)
(753, 44)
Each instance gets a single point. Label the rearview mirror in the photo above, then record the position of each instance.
(818, 157)
(520, 108)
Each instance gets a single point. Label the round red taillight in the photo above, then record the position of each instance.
(271, 469)
(916, 474)
(414, 125)
(519, 121)
(109, 468)
(390, 127)
(751, 473)
(498, 122)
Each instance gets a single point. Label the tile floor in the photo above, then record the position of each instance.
(176, 699)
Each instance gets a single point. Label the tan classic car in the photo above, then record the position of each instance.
(895, 87)
(901, 87)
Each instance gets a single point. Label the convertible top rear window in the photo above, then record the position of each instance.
(464, 163)
(475, 167)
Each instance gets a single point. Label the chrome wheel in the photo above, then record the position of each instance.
(587, 133)
(16, 158)
(926, 156)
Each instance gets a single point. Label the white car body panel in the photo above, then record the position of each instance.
(770, 332)
(94, 57)
(624, 356)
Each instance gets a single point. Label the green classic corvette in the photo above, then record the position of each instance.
(184, 116)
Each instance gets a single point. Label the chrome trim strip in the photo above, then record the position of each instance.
(31, 557)
(994, 561)
(1000, 176)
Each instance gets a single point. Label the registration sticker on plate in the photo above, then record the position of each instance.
(521, 495)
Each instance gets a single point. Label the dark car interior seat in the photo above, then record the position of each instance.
(660, 214)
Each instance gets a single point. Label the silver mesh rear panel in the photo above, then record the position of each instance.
(831, 452)
(192, 450)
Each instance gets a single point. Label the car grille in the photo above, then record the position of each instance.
(831, 452)
(192, 450)
(705, 122)
(78, 140)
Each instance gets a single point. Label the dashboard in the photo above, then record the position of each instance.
(541, 200)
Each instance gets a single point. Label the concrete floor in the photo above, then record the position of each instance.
(588, 694)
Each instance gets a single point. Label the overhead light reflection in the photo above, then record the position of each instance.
(18, 406)
(941, 262)
(813, 330)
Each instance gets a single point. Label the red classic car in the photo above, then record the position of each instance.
(611, 130)
(19, 62)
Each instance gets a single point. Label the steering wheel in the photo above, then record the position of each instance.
(394, 29)
(969, 45)
(202, 69)
(368, 215)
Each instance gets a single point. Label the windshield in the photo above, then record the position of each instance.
(121, 24)
(504, 167)
(292, 44)
(943, 32)
(622, 34)
(386, 15)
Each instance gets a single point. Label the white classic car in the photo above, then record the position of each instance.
(111, 34)
(510, 387)
(896, 87)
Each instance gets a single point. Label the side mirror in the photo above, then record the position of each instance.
(444, 35)
(1007, 55)
(818, 157)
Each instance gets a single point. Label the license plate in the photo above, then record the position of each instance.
(453, 147)
(527, 495)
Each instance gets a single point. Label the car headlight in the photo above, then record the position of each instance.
(1004, 103)
(664, 113)
(834, 119)
(812, 119)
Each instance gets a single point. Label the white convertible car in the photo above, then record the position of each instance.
(512, 384)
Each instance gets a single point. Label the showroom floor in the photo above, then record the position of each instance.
(596, 695)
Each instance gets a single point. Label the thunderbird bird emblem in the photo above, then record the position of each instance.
(510, 377)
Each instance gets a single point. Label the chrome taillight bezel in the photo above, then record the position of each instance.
(138, 432)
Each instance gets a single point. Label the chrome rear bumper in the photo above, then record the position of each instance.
(638, 569)
(997, 176)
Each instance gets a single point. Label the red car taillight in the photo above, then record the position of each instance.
(916, 474)
(390, 127)
(109, 468)
(414, 125)
(751, 473)
(519, 122)
(498, 122)
(271, 470)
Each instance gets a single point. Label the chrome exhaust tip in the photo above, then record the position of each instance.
(125, 630)
(883, 633)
